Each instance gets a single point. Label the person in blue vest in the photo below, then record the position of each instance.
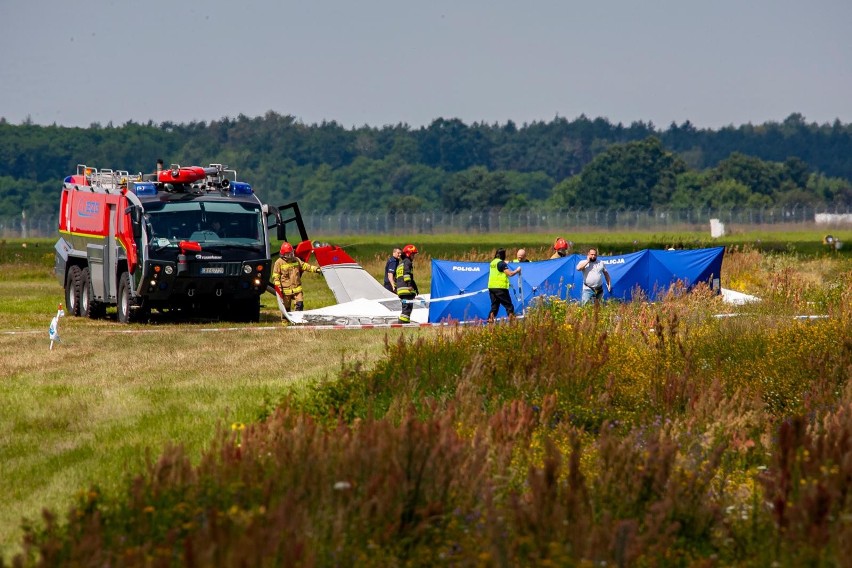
(498, 285)
(406, 287)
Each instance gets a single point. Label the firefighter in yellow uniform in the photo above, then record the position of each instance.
(561, 247)
(406, 287)
(287, 277)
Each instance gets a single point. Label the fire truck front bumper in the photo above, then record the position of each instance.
(164, 282)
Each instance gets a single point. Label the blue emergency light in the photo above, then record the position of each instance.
(240, 188)
(145, 188)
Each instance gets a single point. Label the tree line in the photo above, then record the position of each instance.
(451, 166)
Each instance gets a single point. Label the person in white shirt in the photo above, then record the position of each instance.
(594, 273)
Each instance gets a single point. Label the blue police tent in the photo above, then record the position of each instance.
(450, 278)
(665, 267)
(649, 273)
(470, 281)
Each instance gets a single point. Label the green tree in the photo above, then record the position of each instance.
(831, 191)
(531, 186)
(633, 175)
(417, 180)
(725, 193)
(689, 188)
(367, 182)
(320, 191)
(406, 204)
(517, 202)
(475, 188)
(797, 171)
(582, 162)
(453, 146)
(757, 175)
(566, 194)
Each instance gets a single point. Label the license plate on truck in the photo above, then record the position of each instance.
(212, 270)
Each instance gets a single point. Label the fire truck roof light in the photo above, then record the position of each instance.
(145, 188)
(240, 188)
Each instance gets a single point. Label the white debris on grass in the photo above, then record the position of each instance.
(737, 298)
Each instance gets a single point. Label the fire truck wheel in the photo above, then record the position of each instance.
(124, 298)
(88, 306)
(85, 292)
(72, 291)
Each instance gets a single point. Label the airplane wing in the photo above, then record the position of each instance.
(361, 299)
(358, 312)
(347, 279)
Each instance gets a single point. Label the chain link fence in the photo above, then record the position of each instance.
(527, 221)
(549, 221)
(26, 227)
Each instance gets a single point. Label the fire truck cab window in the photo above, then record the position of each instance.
(224, 223)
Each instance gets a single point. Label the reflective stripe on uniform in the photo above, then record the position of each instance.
(403, 280)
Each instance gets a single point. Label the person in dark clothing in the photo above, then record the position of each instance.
(390, 269)
(406, 287)
(498, 285)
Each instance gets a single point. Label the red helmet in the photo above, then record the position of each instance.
(409, 250)
(560, 244)
(286, 248)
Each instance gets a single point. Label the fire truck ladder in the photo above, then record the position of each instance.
(105, 178)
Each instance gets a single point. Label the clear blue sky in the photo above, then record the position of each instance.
(380, 62)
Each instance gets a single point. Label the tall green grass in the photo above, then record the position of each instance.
(578, 436)
(90, 410)
(637, 434)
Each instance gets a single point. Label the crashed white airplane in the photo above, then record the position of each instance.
(361, 299)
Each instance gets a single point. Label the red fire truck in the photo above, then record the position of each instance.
(191, 240)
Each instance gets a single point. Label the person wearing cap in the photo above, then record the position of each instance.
(560, 248)
(521, 256)
(287, 277)
(498, 285)
(406, 286)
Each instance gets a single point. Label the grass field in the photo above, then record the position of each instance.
(91, 410)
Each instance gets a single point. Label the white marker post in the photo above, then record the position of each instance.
(54, 327)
